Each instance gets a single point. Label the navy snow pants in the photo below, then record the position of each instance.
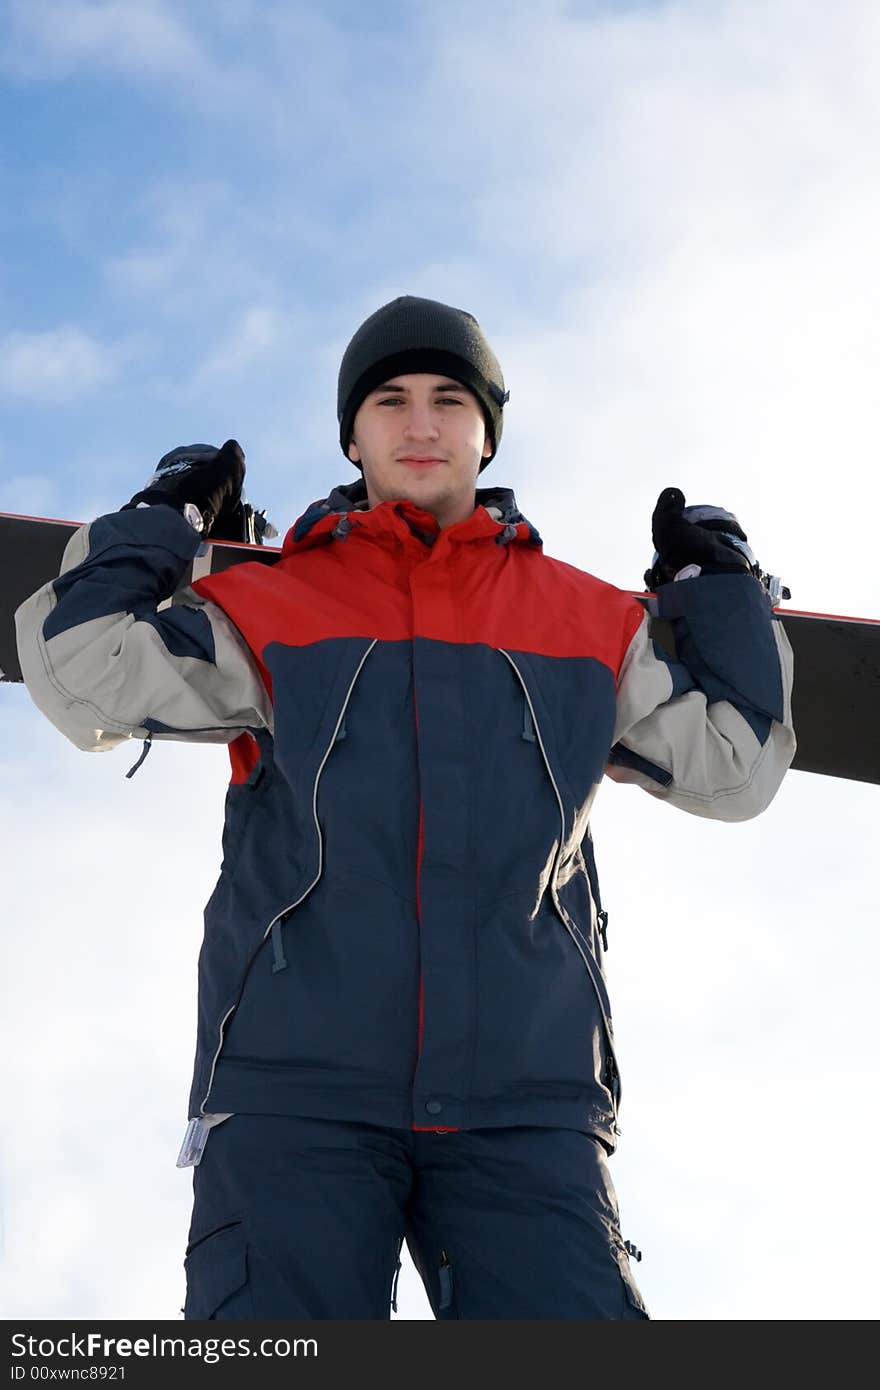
(304, 1218)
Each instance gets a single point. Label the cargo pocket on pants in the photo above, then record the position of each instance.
(446, 1302)
(634, 1305)
(217, 1276)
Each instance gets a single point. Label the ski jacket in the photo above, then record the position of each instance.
(407, 928)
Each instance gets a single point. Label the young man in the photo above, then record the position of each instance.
(404, 1028)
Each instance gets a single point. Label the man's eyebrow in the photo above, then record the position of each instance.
(403, 390)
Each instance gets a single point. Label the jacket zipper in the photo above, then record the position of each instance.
(613, 1068)
(285, 912)
(420, 849)
(593, 877)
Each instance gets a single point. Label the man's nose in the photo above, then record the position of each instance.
(420, 422)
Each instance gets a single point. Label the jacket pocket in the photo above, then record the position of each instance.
(241, 800)
(217, 1276)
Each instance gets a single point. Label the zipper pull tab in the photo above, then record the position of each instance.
(194, 1141)
(445, 1276)
(602, 924)
(280, 959)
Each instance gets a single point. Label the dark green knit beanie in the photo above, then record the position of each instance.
(420, 335)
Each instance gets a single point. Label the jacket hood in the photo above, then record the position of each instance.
(332, 517)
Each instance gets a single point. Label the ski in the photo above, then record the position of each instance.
(836, 697)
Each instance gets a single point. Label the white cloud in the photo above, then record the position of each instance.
(55, 366)
(257, 332)
(139, 38)
(193, 259)
(182, 239)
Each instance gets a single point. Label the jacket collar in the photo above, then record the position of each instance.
(332, 518)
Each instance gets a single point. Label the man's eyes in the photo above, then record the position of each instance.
(439, 400)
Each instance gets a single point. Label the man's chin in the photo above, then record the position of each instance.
(424, 495)
(434, 494)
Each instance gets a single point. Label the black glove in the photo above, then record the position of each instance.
(706, 536)
(211, 479)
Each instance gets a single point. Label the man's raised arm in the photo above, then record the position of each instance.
(102, 659)
(704, 691)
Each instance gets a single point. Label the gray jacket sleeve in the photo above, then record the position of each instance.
(106, 658)
(707, 727)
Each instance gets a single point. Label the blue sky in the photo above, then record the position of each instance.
(666, 217)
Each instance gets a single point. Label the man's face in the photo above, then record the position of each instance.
(421, 438)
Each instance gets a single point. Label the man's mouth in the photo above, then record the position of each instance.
(419, 461)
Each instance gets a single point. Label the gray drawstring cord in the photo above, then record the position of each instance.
(148, 743)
